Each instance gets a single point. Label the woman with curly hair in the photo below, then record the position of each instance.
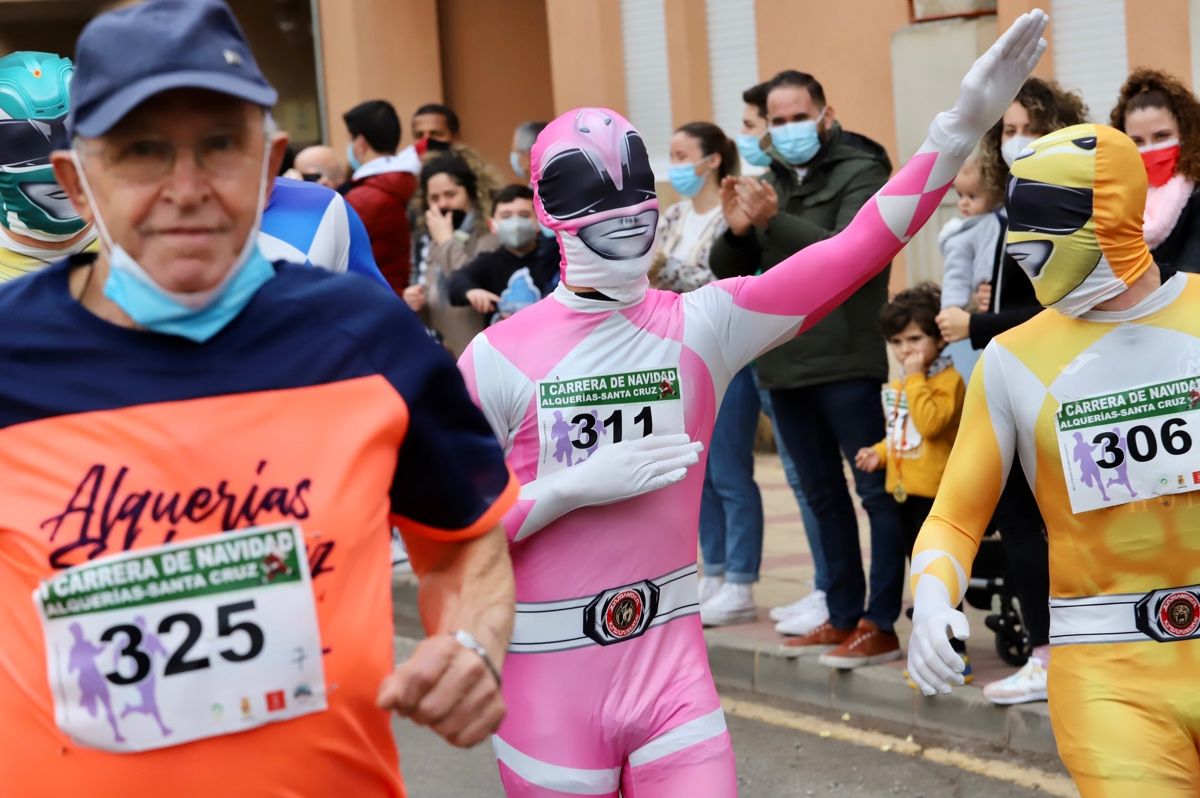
(1162, 117)
(1041, 107)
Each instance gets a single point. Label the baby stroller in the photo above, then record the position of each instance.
(990, 588)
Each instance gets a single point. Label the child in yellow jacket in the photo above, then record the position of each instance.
(922, 408)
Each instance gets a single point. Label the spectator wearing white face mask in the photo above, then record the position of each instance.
(1007, 299)
(520, 272)
(1162, 116)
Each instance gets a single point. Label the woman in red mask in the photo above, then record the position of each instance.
(1162, 116)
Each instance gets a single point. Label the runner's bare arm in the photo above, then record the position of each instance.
(465, 585)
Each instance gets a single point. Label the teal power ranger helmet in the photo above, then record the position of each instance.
(33, 110)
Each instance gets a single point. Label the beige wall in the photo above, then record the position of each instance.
(587, 58)
(1007, 12)
(845, 49)
(495, 81)
(687, 60)
(1158, 36)
(378, 50)
(850, 54)
(929, 61)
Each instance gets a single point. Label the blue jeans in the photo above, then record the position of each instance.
(811, 530)
(820, 424)
(731, 510)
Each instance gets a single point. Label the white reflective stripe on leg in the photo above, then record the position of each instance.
(694, 731)
(577, 781)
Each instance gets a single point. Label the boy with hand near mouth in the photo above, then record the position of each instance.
(922, 409)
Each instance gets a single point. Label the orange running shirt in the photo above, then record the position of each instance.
(324, 403)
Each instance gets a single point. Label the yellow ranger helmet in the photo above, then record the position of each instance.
(1075, 202)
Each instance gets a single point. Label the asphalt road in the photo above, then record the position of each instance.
(773, 762)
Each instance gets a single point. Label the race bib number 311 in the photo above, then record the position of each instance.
(158, 647)
(1130, 445)
(578, 416)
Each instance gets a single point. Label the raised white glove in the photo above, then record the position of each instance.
(992, 82)
(615, 472)
(932, 664)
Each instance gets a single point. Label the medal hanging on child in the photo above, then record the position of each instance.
(899, 493)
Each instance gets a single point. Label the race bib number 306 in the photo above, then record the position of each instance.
(1130, 445)
(578, 416)
(162, 646)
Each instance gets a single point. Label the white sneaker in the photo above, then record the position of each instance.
(812, 616)
(709, 585)
(797, 607)
(1027, 684)
(732, 604)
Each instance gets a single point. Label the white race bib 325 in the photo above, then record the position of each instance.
(161, 646)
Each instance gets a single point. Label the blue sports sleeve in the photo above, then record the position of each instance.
(451, 480)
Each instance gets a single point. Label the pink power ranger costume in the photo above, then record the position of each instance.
(602, 397)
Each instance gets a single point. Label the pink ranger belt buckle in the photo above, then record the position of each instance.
(621, 613)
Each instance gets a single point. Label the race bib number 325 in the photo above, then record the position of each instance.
(578, 416)
(162, 646)
(1130, 445)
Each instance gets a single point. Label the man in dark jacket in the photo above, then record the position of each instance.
(381, 186)
(825, 385)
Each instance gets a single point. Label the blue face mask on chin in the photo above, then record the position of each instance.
(197, 316)
(747, 145)
(355, 164)
(684, 179)
(798, 142)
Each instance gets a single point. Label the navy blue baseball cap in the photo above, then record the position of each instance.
(126, 56)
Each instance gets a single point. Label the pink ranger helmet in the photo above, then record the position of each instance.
(594, 187)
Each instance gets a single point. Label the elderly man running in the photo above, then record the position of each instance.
(169, 469)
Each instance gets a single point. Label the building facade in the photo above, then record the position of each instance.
(886, 65)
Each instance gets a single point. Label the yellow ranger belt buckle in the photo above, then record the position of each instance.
(1169, 615)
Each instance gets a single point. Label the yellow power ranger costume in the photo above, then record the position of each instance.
(1103, 408)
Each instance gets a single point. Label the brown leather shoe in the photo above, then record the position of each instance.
(867, 645)
(823, 638)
